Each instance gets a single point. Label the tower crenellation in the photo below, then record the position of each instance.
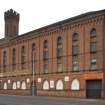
(11, 18)
(11, 14)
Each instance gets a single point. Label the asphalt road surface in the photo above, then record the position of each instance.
(42, 100)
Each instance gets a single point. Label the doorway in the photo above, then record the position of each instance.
(93, 88)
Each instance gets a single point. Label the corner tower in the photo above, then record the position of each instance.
(11, 18)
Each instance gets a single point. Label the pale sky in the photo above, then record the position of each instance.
(38, 13)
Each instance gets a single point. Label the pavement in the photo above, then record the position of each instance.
(42, 100)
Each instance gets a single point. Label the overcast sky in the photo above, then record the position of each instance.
(38, 13)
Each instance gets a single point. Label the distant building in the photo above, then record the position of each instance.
(66, 58)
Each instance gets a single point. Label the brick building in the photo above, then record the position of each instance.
(66, 58)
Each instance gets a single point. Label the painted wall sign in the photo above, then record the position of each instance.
(51, 83)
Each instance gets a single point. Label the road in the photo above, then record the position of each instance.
(42, 100)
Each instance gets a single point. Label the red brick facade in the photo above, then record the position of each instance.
(56, 83)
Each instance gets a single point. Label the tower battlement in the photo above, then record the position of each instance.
(11, 18)
(11, 14)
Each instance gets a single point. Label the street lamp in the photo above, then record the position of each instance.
(33, 74)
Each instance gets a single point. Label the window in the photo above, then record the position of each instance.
(59, 42)
(59, 60)
(46, 68)
(45, 55)
(75, 66)
(75, 50)
(59, 85)
(59, 54)
(5, 86)
(75, 63)
(33, 47)
(75, 37)
(46, 85)
(93, 47)
(23, 85)
(4, 60)
(45, 44)
(14, 59)
(23, 57)
(93, 33)
(59, 66)
(75, 85)
(93, 64)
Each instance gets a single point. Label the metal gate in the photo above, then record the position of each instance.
(93, 88)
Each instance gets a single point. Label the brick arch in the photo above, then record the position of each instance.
(75, 84)
(46, 85)
(5, 86)
(59, 85)
(23, 85)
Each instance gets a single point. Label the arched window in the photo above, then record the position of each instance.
(59, 53)
(23, 57)
(45, 85)
(93, 49)
(5, 85)
(45, 50)
(4, 60)
(45, 44)
(14, 58)
(59, 85)
(23, 86)
(75, 85)
(14, 86)
(75, 51)
(33, 47)
(75, 37)
(45, 56)
(59, 42)
(93, 33)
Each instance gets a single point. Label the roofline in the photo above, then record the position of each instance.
(61, 22)
(66, 20)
